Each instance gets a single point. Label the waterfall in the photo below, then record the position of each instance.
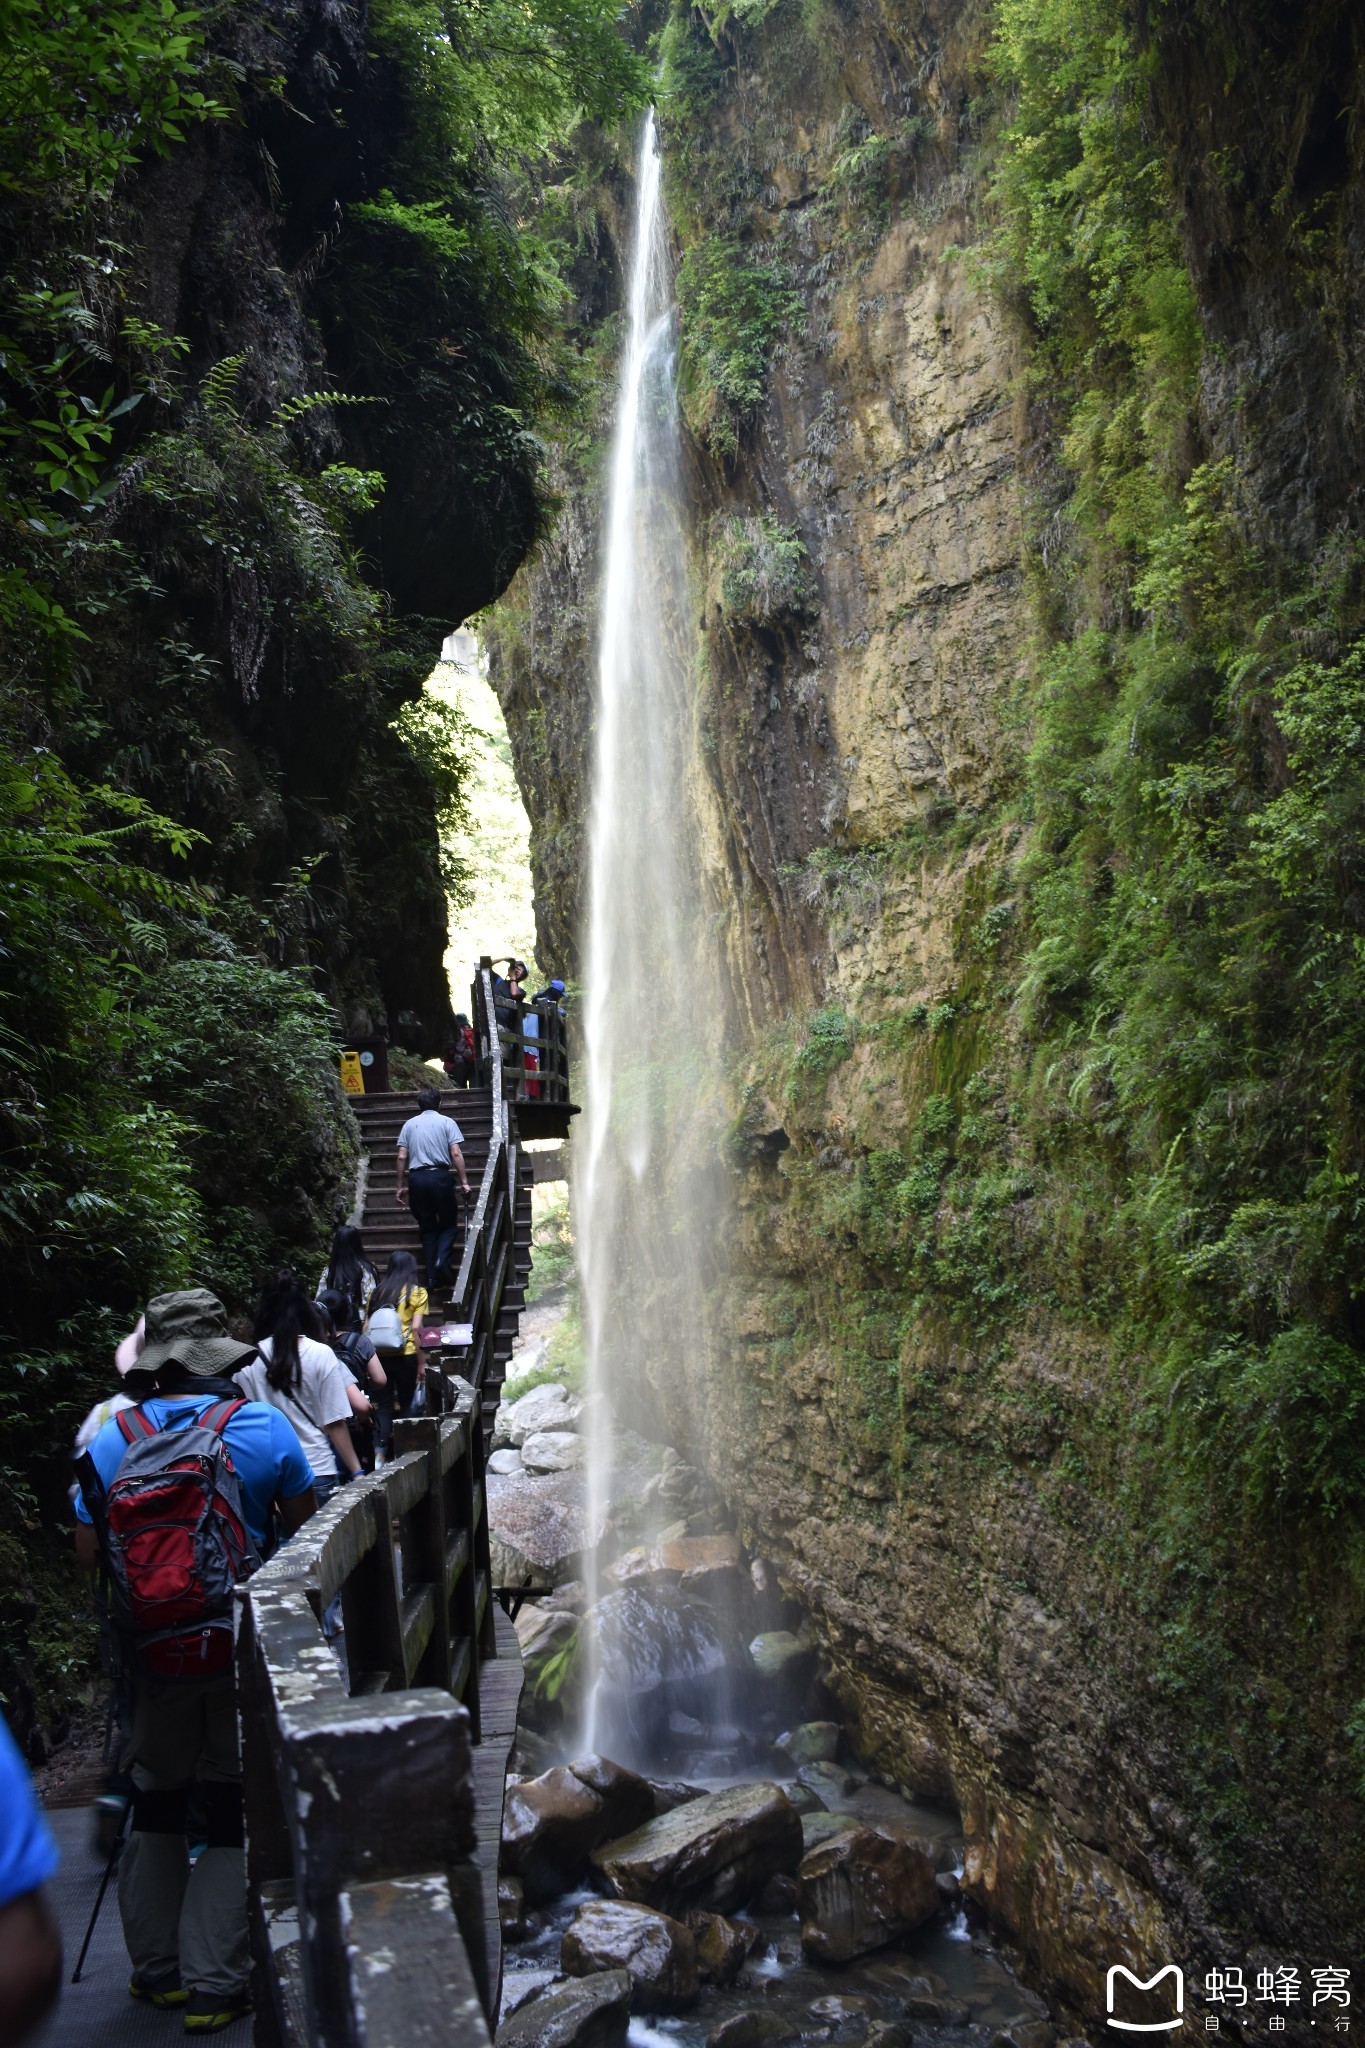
(637, 1246)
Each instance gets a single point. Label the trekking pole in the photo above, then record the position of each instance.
(104, 1886)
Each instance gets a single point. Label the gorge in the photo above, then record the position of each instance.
(1028, 1363)
(1019, 671)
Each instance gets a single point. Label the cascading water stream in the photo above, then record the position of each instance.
(635, 1248)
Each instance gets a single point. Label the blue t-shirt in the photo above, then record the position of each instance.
(28, 1854)
(266, 1453)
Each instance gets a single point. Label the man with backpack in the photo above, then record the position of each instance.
(176, 1500)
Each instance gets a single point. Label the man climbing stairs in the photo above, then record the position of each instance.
(388, 1227)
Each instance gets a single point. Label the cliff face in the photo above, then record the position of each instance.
(942, 1388)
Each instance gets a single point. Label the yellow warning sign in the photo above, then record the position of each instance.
(352, 1074)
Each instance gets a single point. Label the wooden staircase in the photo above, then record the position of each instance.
(387, 1228)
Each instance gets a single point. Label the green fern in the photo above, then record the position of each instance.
(219, 384)
(309, 401)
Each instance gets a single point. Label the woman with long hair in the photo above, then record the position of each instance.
(401, 1290)
(295, 1372)
(349, 1272)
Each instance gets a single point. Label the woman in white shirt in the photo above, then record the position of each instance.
(304, 1379)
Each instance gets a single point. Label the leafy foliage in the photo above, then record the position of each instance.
(733, 310)
(764, 570)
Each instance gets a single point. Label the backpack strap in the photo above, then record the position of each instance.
(130, 1429)
(220, 1415)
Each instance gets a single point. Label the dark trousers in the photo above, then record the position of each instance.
(431, 1198)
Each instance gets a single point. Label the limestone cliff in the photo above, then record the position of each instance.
(937, 1390)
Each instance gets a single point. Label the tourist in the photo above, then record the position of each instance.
(297, 1373)
(460, 1058)
(350, 1273)
(30, 1943)
(401, 1291)
(361, 1361)
(429, 1157)
(186, 1930)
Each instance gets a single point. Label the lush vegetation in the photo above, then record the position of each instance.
(220, 791)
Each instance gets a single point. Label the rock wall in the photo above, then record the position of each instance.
(1006, 1622)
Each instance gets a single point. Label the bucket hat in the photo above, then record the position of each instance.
(190, 1329)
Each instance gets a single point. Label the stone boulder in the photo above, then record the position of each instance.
(723, 1946)
(752, 2029)
(819, 1828)
(550, 1826)
(657, 1651)
(862, 1888)
(627, 1798)
(544, 1634)
(549, 1407)
(506, 1463)
(814, 1742)
(714, 1853)
(538, 1527)
(552, 1450)
(779, 1655)
(658, 1953)
(593, 2012)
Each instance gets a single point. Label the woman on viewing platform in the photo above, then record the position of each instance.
(350, 1273)
(400, 1291)
(297, 1373)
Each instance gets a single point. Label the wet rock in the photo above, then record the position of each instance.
(714, 1853)
(552, 1450)
(520, 1985)
(504, 1462)
(779, 1895)
(671, 1792)
(752, 2029)
(838, 2012)
(813, 1742)
(779, 1654)
(511, 1908)
(592, 2012)
(949, 1888)
(570, 1598)
(804, 1800)
(544, 1635)
(627, 1798)
(723, 1946)
(658, 1953)
(635, 1563)
(1025, 2033)
(531, 1754)
(658, 1651)
(550, 1826)
(818, 1828)
(830, 1783)
(937, 2012)
(888, 2034)
(861, 1889)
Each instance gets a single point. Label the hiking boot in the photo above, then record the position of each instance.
(164, 1990)
(208, 2012)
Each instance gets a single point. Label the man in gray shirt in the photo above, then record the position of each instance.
(429, 1157)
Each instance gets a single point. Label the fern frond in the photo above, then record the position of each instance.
(219, 383)
(309, 401)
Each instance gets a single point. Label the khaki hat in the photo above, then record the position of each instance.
(189, 1329)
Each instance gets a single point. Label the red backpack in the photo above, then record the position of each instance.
(175, 1541)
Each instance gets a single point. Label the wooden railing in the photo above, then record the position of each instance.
(532, 1049)
(367, 1905)
(487, 1260)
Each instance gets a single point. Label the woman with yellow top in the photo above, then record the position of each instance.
(400, 1289)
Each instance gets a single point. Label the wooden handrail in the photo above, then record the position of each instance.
(358, 1790)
